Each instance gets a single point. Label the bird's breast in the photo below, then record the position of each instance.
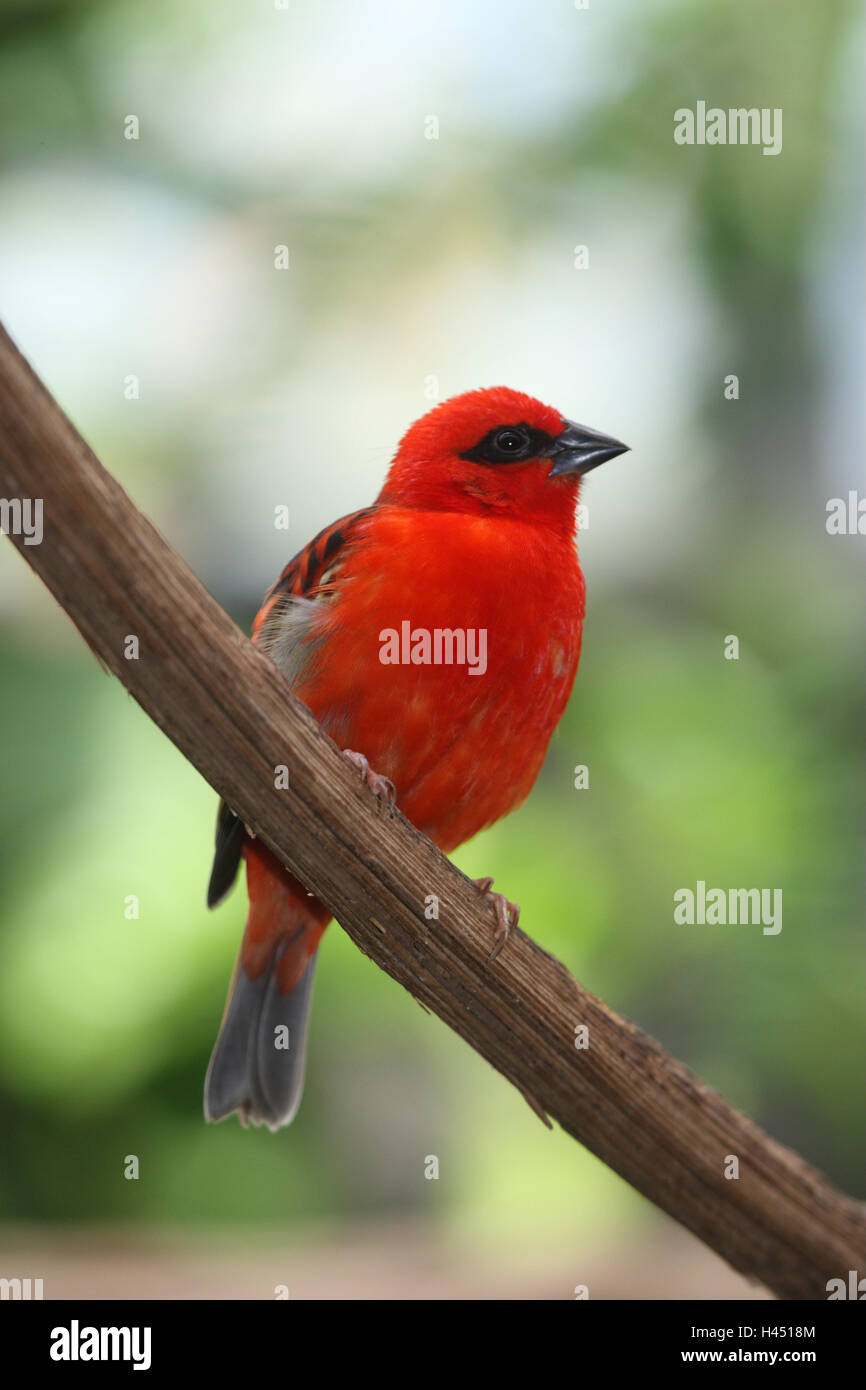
(447, 658)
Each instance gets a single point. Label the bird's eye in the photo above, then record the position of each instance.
(510, 444)
(509, 441)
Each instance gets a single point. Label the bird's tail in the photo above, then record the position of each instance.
(258, 1062)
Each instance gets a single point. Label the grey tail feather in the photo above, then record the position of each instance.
(251, 1069)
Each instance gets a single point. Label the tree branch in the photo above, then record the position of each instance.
(231, 714)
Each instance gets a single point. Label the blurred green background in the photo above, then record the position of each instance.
(420, 267)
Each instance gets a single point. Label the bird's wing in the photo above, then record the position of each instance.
(312, 572)
(227, 854)
(279, 626)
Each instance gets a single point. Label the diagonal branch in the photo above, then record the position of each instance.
(231, 714)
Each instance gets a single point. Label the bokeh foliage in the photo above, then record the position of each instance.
(256, 391)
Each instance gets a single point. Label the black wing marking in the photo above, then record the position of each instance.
(313, 568)
(227, 855)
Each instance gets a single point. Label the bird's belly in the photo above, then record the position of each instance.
(463, 738)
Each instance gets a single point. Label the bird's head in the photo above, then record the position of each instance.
(496, 451)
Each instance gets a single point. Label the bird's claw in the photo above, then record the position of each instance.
(507, 915)
(381, 787)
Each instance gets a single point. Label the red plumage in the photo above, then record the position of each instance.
(454, 544)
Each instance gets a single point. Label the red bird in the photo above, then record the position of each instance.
(437, 633)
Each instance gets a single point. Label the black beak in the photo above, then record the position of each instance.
(578, 449)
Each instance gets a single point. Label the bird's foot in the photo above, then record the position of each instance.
(507, 914)
(381, 787)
